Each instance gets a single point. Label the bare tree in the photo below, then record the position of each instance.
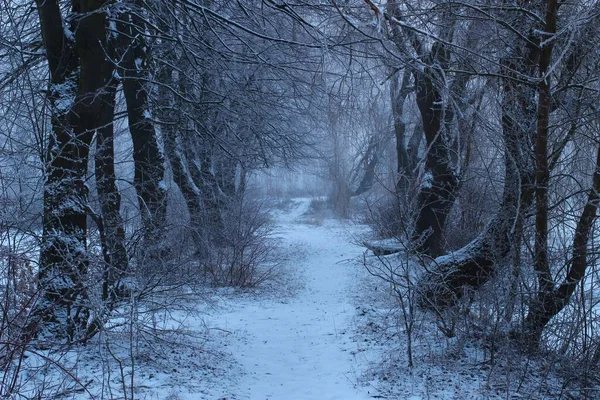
(224, 110)
(132, 58)
(82, 54)
(63, 260)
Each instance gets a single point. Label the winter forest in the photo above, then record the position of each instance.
(299, 199)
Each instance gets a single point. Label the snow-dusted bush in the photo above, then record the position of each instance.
(244, 255)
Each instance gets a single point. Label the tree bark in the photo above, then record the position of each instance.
(551, 299)
(547, 303)
(173, 128)
(148, 159)
(190, 192)
(542, 173)
(212, 196)
(367, 165)
(550, 303)
(405, 161)
(77, 70)
(472, 266)
(204, 181)
(61, 312)
(110, 199)
(438, 191)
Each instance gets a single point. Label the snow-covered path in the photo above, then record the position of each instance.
(301, 347)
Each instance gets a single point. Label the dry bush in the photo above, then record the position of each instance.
(245, 255)
(18, 290)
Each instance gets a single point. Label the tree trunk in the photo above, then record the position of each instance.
(190, 192)
(367, 165)
(212, 197)
(438, 190)
(472, 266)
(63, 255)
(148, 159)
(77, 73)
(550, 303)
(173, 127)
(110, 198)
(95, 113)
(405, 165)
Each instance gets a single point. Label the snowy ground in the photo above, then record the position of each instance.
(322, 329)
(293, 338)
(301, 347)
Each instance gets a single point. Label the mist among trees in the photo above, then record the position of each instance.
(147, 149)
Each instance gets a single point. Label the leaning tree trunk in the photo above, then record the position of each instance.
(438, 189)
(147, 157)
(550, 302)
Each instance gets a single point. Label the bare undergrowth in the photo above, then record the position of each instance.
(476, 358)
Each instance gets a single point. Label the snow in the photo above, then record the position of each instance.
(302, 347)
(427, 180)
(66, 96)
(112, 28)
(294, 338)
(68, 33)
(323, 329)
(163, 185)
(384, 246)
(138, 63)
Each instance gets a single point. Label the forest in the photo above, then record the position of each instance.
(158, 158)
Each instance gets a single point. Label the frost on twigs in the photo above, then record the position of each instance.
(18, 289)
(245, 253)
